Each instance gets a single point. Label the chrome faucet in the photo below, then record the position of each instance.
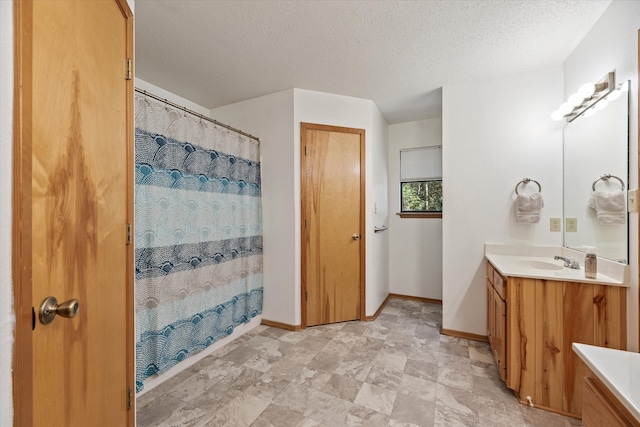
(571, 263)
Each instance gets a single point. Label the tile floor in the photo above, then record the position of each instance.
(395, 371)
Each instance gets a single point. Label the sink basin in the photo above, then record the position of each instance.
(539, 265)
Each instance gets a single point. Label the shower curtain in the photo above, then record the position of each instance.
(198, 234)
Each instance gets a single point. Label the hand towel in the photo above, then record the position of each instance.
(610, 207)
(528, 208)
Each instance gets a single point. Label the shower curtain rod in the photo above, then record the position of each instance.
(186, 110)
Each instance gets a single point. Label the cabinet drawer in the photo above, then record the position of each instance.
(500, 284)
(490, 271)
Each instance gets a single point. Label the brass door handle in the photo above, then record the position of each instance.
(50, 308)
(356, 237)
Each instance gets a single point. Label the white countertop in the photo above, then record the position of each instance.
(519, 266)
(618, 370)
(536, 262)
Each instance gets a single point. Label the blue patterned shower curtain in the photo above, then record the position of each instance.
(198, 235)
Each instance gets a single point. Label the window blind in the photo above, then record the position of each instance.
(421, 164)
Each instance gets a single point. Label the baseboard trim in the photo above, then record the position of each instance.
(421, 299)
(460, 334)
(279, 325)
(377, 313)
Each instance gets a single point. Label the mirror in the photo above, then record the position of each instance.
(596, 146)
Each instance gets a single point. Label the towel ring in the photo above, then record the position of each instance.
(606, 177)
(528, 180)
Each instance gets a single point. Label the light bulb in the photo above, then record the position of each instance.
(587, 89)
(557, 115)
(565, 108)
(602, 104)
(576, 99)
(590, 112)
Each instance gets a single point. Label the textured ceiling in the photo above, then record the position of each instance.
(397, 53)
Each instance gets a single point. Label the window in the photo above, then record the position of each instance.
(421, 180)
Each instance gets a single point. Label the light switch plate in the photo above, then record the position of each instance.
(555, 224)
(632, 200)
(571, 224)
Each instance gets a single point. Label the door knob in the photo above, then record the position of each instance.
(50, 308)
(356, 237)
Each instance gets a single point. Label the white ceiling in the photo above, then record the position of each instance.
(397, 53)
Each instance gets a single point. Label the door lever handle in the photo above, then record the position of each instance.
(50, 308)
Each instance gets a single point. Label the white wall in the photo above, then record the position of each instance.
(270, 118)
(171, 97)
(612, 44)
(378, 285)
(276, 119)
(6, 144)
(415, 244)
(495, 133)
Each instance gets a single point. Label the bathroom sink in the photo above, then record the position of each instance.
(539, 265)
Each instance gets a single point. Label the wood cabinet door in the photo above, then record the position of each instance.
(549, 355)
(598, 410)
(610, 311)
(578, 327)
(490, 313)
(500, 310)
(497, 328)
(520, 338)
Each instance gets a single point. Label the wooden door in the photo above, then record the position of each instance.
(332, 185)
(74, 201)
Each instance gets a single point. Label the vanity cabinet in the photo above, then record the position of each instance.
(542, 319)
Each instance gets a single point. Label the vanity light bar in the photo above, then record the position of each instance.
(587, 96)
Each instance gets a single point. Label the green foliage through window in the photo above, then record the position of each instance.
(421, 196)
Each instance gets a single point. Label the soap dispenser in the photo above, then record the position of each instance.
(590, 263)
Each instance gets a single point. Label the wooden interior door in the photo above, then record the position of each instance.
(332, 200)
(74, 201)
